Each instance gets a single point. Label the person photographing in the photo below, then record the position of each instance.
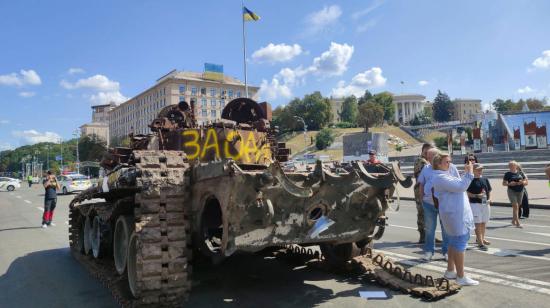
(50, 198)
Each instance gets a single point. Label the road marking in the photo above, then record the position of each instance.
(509, 213)
(40, 209)
(18, 197)
(506, 253)
(27, 201)
(479, 274)
(524, 225)
(537, 233)
(489, 237)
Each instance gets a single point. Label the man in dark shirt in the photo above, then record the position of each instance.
(50, 198)
(479, 194)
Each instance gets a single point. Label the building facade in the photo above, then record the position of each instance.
(407, 106)
(466, 110)
(99, 127)
(336, 109)
(209, 97)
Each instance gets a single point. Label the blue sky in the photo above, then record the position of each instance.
(57, 58)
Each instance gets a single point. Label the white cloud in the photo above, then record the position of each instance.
(542, 62)
(423, 83)
(319, 20)
(277, 53)
(75, 70)
(525, 90)
(4, 122)
(273, 90)
(374, 5)
(27, 94)
(369, 79)
(32, 136)
(96, 82)
(4, 146)
(25, 77)
(366, 25)
(107, 97)
(333, 62)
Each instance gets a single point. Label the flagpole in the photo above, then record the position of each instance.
(244, 53)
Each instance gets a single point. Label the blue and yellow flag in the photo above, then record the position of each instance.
(248, 15)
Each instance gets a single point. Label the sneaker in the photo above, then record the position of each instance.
(44, 226)
(482, 247)
(449, 275)
(466, 281)
(445, 256)
(428, 256)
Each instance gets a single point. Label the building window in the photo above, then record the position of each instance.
(222, 103)
(239, 94)
(182, 88)
(204, 113)
(213, 102)
(223, 92)
(203, 91)
(213, 114)
(213, 92)
(203, 102)
(182, 98)
(193, 91)
(230, 93)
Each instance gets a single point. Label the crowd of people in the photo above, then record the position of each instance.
(462, 204)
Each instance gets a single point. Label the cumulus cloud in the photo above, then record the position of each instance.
(369, 79)
(32, 136)
(96, 82)
(277, 53)
(75, 70)
(542, 62)
(274, 89)
(107, 97)
(27, 94)
(334, 61)
(525, 90)
(373, 6)
(319, 20)
(423, 83)
(25, 77)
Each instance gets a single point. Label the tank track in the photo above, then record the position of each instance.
(162, 228)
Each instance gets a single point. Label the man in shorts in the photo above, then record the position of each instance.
(479, 193)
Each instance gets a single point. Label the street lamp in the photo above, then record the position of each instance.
(77, 135)
(305, 128)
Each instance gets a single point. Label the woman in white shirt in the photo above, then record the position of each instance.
(455, 214)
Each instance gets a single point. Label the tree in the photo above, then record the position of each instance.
(313, 108)
(385, 100)
(501, 105)
(370, 114)
(421, 119)
(442, 107)
(365, 98)
(91, 148)
(349, 110)
(324, 139)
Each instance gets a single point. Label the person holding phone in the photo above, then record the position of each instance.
(50, 198)
(515, 181)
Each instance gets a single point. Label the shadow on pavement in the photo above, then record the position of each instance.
(51, 278)
(20, 228)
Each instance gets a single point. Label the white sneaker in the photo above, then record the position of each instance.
(466, 281)
(44, 226)
(428, 256)
(445, 256)
(449, 275)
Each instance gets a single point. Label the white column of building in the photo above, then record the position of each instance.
(396, 115)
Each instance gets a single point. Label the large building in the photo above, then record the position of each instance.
(407, 106)
(209, 95)
(466, 110)
(336, 109)
(99, 127)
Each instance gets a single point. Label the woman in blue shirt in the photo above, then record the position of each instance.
(455, 214)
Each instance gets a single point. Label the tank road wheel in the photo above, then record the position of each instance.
(123, 230)
(87, 235)
(76, 230)
(132, 265)
(95, 237)
(338, 254)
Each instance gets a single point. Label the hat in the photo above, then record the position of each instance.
(372, 152)
(478, 166)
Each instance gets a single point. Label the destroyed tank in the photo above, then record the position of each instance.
(214, 189)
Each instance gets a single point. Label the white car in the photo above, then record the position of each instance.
(9, 184)
(73, 183)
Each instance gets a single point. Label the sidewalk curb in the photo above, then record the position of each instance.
(531, 206)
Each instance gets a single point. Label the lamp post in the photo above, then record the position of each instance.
(61, 145)
(77, 135)
(48, 157)
(305, 128)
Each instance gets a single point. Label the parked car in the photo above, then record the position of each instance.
(73, 183)
(9, 184)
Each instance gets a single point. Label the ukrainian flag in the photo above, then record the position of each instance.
(248, 15)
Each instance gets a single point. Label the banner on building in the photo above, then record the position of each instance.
(530, 130)
(213, 71)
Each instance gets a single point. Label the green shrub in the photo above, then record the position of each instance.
(345, 125)
(324, 138)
